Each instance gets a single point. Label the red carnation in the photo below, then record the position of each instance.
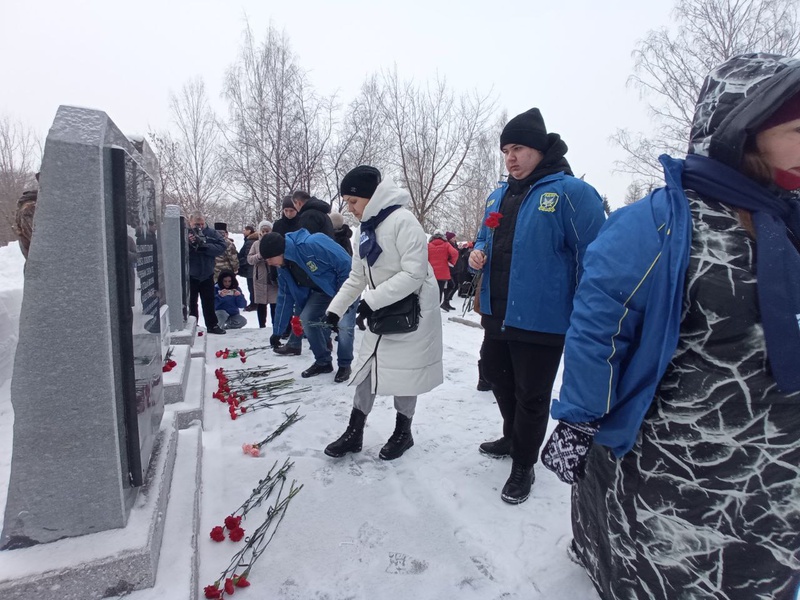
(218, 353)
(172, 364)
(229, 586)
(255, 393)
(243, 409)
(243, 359)
(493, 220)
(199, 334)
(241, 581)
(232, 522)
(211, 591)
(236, 534)
(241, 352)
(217, 534)
(166, 368)
(297, 326)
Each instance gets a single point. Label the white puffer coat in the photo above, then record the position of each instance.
(406, 364)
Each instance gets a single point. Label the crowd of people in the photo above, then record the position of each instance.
(677, 319)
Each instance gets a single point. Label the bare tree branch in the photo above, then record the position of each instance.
(434, 134)
(670, 68)
(20, 154)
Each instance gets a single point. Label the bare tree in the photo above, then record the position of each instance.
(192, 172)
(482, 174)
(20, 153)
(361, 138)
(670, 67)
(433, 134)
(637, 190)
(278, 128)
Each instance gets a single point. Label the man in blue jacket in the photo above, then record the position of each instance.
(205, 245)
(530, 249)
(312, 268)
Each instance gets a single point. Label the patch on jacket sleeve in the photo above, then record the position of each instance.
(548, 202)
(312, 266)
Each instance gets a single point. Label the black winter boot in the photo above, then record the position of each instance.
(518, 487)
(400, 441)
(351, 439)
(496, 449)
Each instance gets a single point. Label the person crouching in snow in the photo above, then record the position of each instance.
(679, 412)
(228, 301)
(389, 263)
(311, 269)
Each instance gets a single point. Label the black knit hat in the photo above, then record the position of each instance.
(526, 129)
(271, 245)
(287, 202)
(361, 182)
(221, 226)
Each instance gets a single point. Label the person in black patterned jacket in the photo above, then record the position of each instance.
(679, 413)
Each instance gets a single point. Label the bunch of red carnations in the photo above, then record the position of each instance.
(233, 576)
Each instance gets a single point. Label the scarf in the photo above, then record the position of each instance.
(777, 260)
(368, 244)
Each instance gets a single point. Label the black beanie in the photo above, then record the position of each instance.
(287, 202)
(221, 226)
(271, 245)
(526, 129)
(360, 182)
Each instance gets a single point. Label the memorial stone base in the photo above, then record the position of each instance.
(114, 562)
(187, 335)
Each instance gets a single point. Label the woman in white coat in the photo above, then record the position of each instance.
(389, 263)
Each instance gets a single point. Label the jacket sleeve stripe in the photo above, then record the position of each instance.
(619, 330)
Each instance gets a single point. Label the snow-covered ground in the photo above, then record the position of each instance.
(428, 525)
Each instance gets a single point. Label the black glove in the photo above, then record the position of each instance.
(567, 450)
(275, 341)
(332, 320)
(362, 313)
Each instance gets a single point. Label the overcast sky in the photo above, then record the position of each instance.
(570, 58)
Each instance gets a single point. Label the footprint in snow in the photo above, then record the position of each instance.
(402, 564)
(324, 476)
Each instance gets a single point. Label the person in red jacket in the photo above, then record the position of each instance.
(441, 255)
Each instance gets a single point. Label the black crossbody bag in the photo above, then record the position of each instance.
(400, 317)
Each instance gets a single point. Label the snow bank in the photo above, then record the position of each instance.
(11, 275)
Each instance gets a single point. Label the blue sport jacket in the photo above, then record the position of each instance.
(626, 320)
(557, 220)
(325, 262)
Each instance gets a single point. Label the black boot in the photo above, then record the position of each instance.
(400, 441)
(518, 487)
(496, 449)
(351, 439)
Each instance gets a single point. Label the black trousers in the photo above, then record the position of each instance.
(522, 376)
(261, 311)
(450, 290)
(205, 289)
(442, 283)
(250, 289)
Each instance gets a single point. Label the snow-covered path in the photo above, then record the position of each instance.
(428, 525)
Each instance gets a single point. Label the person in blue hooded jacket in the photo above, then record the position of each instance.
(228, 301)
(530, 250)
(312, 268)
(679, 413)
